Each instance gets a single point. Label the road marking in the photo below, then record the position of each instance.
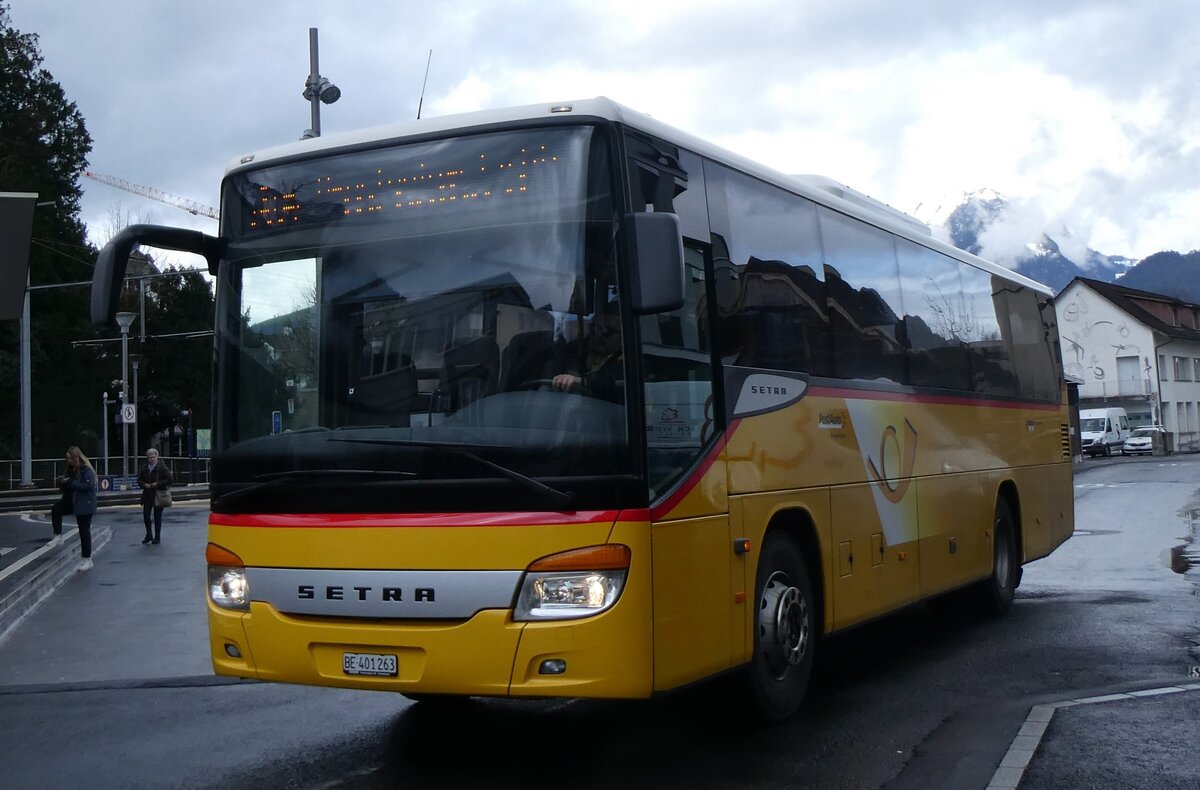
(33, 555)
(1016, 760)
(6, 550)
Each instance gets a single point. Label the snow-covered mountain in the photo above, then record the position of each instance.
(986, 224)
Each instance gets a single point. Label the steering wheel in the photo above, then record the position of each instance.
(542, 385)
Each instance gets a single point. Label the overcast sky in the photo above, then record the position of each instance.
(1084, 113)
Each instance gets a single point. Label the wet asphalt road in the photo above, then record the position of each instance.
(930, 697)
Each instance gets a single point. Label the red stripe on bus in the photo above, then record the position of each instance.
(946, 400)
(354, 520)
(663, 508)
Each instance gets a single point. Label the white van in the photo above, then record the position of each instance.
(1103, 430)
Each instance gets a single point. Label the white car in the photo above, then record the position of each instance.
(1142, 440)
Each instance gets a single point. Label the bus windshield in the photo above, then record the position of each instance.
(435, 310)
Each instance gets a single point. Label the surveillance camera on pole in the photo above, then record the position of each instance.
(317, 89)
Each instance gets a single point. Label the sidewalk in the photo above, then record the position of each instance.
(139, 610)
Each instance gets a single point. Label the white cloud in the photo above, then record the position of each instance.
(1083, 109)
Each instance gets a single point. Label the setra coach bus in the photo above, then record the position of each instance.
(560, 401)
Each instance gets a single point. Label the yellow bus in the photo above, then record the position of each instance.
(560, 401)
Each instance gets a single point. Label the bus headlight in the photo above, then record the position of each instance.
(573, 584)
(228, 588)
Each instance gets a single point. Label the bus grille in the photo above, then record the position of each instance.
(1065, 432)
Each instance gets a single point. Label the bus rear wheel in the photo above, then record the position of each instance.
(784, 630)
(996, 594)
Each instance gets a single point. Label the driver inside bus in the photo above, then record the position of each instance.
(601, 372)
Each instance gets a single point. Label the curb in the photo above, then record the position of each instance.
(50, 573)
(1016, 760)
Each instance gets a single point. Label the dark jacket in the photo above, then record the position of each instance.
(160, 478)
(82, 485)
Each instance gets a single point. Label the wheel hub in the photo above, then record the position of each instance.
(783, 625)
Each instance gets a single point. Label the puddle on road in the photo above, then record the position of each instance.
(1186, 556)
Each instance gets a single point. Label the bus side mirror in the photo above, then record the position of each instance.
(658, 245)
(114, 258)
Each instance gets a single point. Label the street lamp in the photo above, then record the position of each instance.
(125, 320)
(105, 402)
(191, 450)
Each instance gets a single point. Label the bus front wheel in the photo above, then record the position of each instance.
(784, 630)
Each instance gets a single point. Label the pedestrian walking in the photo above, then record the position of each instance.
(155, 480)
(79, 483)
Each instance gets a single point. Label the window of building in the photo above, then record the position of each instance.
(1195, 369)
(1182, 368)
(1162, 368)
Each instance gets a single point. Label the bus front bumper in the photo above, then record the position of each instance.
(607, 655)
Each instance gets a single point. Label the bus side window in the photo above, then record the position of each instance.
(676, 352)
(935, 318)
(991, 361)
(1024, 332)
(771, 307)
(862, 289)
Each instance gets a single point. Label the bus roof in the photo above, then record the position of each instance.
(816, 188)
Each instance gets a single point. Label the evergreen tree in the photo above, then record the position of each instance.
(43, 149)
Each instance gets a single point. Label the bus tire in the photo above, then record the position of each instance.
(784, 630)
(996, 594)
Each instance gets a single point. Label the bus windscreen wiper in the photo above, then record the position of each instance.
(274, 478)
(561, 498)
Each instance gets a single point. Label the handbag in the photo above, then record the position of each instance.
(162, 497)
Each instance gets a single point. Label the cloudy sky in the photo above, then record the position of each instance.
(1085, 114)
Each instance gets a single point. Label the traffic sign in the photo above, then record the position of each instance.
(276, 422)
(129, 413)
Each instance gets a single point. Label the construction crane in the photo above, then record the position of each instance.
(191, 206)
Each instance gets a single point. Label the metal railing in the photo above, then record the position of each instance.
(45, 471)
(1121, 388)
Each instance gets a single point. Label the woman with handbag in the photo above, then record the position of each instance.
(80, 482)
(155, 480)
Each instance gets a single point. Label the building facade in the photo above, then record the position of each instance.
(1136, 350)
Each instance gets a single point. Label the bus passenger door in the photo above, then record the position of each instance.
(693, 559)
(690, 538)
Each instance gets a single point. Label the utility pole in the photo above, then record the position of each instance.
(26, 394)
(135, 360)
(125, 320)
(16, 233)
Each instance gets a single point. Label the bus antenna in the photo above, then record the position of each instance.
(423, 82)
